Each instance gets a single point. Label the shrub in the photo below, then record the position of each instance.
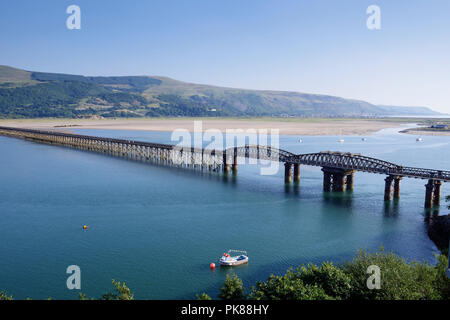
(331, 278)
(4, 296)
(203, 296)
(232, 289)
(122, 292)
(287, 287)
(399, 280)
(442, 282)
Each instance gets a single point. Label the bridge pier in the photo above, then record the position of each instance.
(388, 188)
(432, 193)
(338, 182)
(326, 181)
(349, 181)
(337, 179)
(287, 172)
(397, 180)
(296, 172)
(429, 192)
(437, 192)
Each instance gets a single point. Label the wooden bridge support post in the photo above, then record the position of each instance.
(296, 172)
(388, 188)
(287, 172)
(235, 164)
(397, 180)
(226, 166)
(429, 194)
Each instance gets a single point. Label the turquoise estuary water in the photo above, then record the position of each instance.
(159, 228)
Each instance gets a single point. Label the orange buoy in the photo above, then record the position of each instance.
(212, 265)
(85, 227)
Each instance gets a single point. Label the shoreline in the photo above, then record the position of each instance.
(288, 126)
(418, 132)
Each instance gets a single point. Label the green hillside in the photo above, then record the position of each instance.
(25, 94)
(8, 74)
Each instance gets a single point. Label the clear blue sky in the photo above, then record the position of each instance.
(310, 46)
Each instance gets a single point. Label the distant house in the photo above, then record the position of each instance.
(439, 126)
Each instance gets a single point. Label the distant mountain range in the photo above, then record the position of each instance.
(27, 94)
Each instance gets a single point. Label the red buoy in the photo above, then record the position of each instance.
(212, 265)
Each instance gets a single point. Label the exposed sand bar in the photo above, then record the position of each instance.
(302, 127)
(427, 133)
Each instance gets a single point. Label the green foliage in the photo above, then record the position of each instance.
(135, 82)
(287, 287)
(116, 98)
(334, 281)
(38, 94)
(63, 99)
(194, 106)
(122, 292)
(203, 296)
(4, 296)
(52, 99)
(399, 280)
(83, 296)
(232, 289)
(442, 282)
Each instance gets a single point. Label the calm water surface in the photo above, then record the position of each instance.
(159, 228)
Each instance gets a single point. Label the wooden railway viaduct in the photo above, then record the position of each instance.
(338, 168)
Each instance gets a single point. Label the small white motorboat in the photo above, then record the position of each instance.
(419, 139)
(228, 260)
(363, 139)
(300, 140)
(341, 140)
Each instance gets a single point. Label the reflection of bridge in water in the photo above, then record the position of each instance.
(338, 168)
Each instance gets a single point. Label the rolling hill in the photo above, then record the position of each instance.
(27, 94)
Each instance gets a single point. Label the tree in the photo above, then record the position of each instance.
(203, 296)
(83, 296)
(122, 292)
(331, 278)
(4, 296)
(232, 289)
(442, 282)
(399, 280)
(287, 287)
